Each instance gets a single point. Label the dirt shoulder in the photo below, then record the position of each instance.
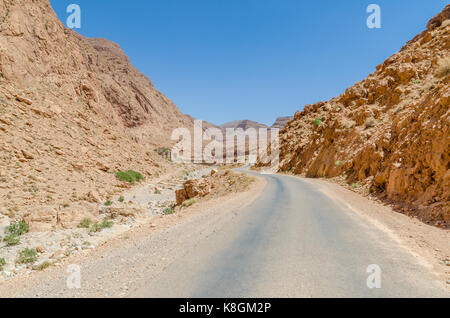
(429, 244)
(123, 263)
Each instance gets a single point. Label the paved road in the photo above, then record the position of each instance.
(294, 242)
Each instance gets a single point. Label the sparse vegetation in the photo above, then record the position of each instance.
(43, 266)
(12, 240)
(96, 227)
(339, 163)
(106, 224)
(318, 122)
(85, 223)
(355, 185)
(108, 203)
(162, 151)
(2, 263)
(17, 229)
(129, 176)
(189, 203)
(157, 191)
(14, 231)
(168, 211)
(27, 256)
(122, 198)
(415, 82)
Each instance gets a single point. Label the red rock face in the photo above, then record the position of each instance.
(390, 131)
(437, 21)
(72, 112)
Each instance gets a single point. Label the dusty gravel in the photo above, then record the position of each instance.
(122, 263)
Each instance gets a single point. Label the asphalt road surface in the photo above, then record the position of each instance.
(294, 241)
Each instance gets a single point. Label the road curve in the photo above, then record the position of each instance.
(294, 241)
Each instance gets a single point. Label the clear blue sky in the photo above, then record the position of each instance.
(223, 60)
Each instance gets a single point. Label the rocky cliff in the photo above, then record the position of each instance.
(72, 112)
(389, 132)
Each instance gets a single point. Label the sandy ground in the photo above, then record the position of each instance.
(148, 248)
(150, 198)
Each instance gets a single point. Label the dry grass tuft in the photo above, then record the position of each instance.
(443, 67)
(446, 23)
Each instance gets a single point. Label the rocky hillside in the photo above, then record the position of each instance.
(389, 132)
(242, 124)
(73, 111)
(247, 124)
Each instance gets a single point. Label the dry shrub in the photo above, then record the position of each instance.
(443, 67)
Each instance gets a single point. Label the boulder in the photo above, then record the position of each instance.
(41, 219)
(93, 197)
(69, 218)
(124, 212)
(196, 188)
(181, 196)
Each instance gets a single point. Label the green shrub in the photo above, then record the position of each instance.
(121, 199)
(188, 203)
(43, 266)
(85, 223)
(27, 256)
(157, 191)
(339, 163)
(317, 122)
(96, 227)
(17, 229)
(108, 203)
(168, 211)
(106, 224)
(12, 240)
(2, 263)
(129, 176)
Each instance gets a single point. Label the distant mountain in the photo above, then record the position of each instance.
(244, 124)
(281, 122)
